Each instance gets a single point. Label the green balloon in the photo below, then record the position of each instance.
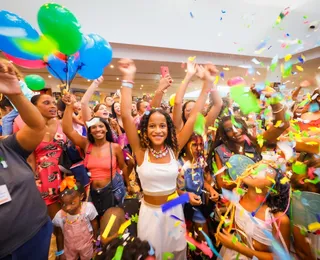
(59, 24)
(35, 82)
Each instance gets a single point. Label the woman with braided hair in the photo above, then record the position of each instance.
(156, 147)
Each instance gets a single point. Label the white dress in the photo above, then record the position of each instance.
(160, 229)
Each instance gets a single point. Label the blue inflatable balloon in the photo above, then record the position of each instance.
(90, 72)
(95, 51)
(12, 27)
(63, 70)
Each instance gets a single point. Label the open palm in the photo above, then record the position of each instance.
(9, 83)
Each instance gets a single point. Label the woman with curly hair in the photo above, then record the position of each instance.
(261, 210)
(233, 137)
(156, 147)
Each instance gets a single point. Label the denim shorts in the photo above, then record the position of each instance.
(101, 198)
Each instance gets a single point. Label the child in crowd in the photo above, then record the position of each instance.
(78, 223)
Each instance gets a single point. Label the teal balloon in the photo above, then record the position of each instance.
(35, 82)
(60, 25)
(239, 164)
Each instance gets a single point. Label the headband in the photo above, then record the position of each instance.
(93, 121)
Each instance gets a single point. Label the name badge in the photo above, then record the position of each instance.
(4, 194)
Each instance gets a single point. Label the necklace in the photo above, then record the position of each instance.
(72, 221)
(161, 153)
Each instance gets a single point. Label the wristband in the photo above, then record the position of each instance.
(128, 81)
(59, 253)
(127, 84)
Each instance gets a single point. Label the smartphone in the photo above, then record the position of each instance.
(164, 71)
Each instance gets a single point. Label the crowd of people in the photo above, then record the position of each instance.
(92, 182)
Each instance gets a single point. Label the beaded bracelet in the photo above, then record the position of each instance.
(59, 253)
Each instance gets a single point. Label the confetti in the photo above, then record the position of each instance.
(301, 58)
(223, 11)
(299, 68)
(203, 247)
(192, 58)
(287, 57)
(199, 126)
(258, 190)
(109, 226)
(191, 14)
(314, 226)
(118, 254)
(167, 256)
(299, 168)
(270, 179)
(222, 74)
(209, 242)
(184, 198)
(172, 99)
(284, 180)
(255, 61)
(124, 226)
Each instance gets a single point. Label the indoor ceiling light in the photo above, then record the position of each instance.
(111, 66)
(49, 76)
(319, 68)
(88, 80)
(226, 68)
(117, 78)
(141, 85)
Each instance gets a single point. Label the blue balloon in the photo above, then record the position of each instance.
(63, 70)
(90, 72)
(13, 26)
(95, 51)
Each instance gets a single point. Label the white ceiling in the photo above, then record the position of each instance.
(193, 24)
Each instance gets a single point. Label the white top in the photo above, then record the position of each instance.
(90, 213)
(158, 177)
(252, 229)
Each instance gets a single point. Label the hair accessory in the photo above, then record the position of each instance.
(69, 182)
(93, 121)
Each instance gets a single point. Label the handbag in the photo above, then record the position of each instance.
(65, 162)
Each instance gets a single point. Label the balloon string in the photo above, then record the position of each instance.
(67, 74)
(55, 73)
(79, 67)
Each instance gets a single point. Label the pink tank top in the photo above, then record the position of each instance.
(99, 167)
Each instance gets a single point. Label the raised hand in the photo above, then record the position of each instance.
(191, 68)
(97, 81)
(305, 84)
(69, 99)
(165, 83)
(9, 83)
(127, 68)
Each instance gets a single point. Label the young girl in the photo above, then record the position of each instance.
(262, 208)
(78, 223)
(156, 148)
(191, 179)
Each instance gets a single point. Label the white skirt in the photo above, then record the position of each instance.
(163, 232)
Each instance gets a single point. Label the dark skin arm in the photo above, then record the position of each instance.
(95, 228)
(60, 242)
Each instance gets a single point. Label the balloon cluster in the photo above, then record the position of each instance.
(61, 47)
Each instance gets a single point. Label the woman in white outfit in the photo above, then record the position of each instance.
(156, 147)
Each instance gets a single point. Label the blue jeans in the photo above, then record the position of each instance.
(7, 122)
(35, 248)
(102, 198)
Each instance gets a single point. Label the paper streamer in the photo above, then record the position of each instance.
(167, 256)
(211, 245)
(184, 198)
(109, 226)
(118, 254)
(203, 247)
(124, 226)
(230, 196)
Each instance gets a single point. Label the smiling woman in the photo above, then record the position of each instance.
(103, 159)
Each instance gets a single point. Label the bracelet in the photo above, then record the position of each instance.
(59, 253)
(128, 81)
(275, 112)
(127, 84)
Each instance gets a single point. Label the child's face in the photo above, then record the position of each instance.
(71, 203)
